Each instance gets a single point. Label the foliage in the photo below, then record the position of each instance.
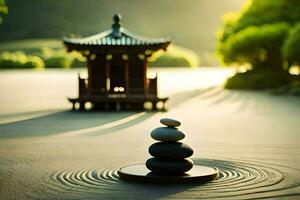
(41, 58)
(169, 60)
(175, 56)
(291, 48)
(254, 29)
(46, 48)
(258, 46)
(55, 19)
(59, 61)
(19, 60)
(78, 64)
(60, 58)
(260, 36)
(295, 90)
(258, 79)
(3, 10)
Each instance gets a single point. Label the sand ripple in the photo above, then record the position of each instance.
(237, 180)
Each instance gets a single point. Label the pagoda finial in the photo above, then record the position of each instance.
(117, 18)
(116, 26)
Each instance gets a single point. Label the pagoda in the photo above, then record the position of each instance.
(117, 69)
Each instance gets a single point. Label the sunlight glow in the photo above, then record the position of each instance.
(295, 70)
(189, 79)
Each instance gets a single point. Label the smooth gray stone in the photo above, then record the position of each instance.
(170, 122)
(175, 150)
(167, 134)
(169, 166)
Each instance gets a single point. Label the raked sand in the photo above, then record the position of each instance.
(48, 152)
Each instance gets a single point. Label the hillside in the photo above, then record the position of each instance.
(191, 23)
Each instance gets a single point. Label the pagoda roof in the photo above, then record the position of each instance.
(117, 37)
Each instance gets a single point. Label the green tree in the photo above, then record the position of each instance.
(3, 10)
(254, 23)
(291, 48)
(258, 46)
(255, 36)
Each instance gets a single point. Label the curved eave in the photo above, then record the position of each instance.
(82, 47)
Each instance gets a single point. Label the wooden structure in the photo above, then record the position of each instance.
(117, 69)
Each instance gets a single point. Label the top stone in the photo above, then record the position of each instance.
(170, 122)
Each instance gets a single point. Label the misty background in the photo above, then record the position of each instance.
(189, 23)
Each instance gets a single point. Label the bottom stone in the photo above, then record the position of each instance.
(140, 173)
(169, 166)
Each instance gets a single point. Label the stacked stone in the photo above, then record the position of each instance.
(169, 155)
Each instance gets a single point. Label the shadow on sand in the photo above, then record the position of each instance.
(61, 122)
(81, 122)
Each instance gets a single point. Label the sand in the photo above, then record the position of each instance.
(48, 152)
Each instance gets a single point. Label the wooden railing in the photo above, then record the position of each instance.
(84, 91)
(82, 86)
(152, 86)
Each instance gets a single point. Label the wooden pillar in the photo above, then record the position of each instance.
(89, 68)
(82, 86)
(145, 77)
(107, 77)
(154, 105)
(82, 105)
(126, 77)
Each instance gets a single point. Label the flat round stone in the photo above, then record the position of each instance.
(170, 122)
(169, 166)
(175, 150)
(167, 134)
(140, 173)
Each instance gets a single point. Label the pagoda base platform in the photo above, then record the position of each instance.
(119, 103)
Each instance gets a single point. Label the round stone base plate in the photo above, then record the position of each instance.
(139, 172)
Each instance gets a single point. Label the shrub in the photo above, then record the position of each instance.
(3, 10)
(56, 58)
(44, 52)
(291, 48)
(78, 63)
(168, 60)
(59, 61)
(295, 90)
(18, 60)
(175, 56)
(79, 60)
(262, 40)
(258, 79)
(34, 62)
(259, 46)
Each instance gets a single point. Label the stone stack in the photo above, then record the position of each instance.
(169, 155)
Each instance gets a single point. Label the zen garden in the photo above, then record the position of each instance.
(161, 99)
